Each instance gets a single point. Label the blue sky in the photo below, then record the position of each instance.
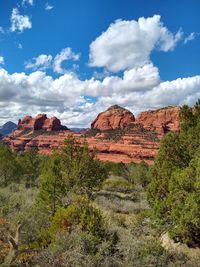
(74, 58)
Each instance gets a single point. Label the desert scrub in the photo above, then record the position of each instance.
(15, 199)
(117, 204)
(92, 132)
(118, 185)
(80, 249)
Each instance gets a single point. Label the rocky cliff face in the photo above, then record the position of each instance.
(114, 117)
(160, 121)
(40, 122)
(115, 133)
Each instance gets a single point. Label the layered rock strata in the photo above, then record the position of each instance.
(115, 133)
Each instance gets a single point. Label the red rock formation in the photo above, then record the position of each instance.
(160, 121)
(40, 122)
(114, 117)
(26, 123)
(120, 138)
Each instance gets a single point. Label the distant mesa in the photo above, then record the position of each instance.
(7, 128)
(114, 117)
(40, 122)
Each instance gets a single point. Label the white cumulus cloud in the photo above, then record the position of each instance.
(19, 22)
(128, 44)
(65, 54)
(41, 62)
(69, 98)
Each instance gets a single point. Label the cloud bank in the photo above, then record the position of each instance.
(70, 98)
(126, 46)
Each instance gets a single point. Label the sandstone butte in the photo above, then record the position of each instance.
(116, 134)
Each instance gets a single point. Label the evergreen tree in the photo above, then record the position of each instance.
(30, 163)
(52, 186)
(174, 192)
(9, 168)
(82, 171)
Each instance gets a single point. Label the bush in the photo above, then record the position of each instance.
(16, 199)
(118, 185)
(141, 174)
(79, 249)
(118, 169)
(79, 213)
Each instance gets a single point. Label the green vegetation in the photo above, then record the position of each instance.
(117, 185)
(174, 192)
(70, 209)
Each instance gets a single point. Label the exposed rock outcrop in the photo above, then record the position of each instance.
(114, 117)
(160, 121)
(40, 122)
(172, 246)
(115, 134)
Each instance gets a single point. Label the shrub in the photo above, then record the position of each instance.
(118, 169)
(16, 199)
(118, 185)
(141, 174)
(79, 213)
(79, 249)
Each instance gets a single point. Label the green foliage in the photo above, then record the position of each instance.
(15, 199)
(81, 249)
(52, 187)
(118, 169)
(79, 213)
(117, 185)
(172, 155)
(35, 220)
(9, 168)
(30, 163)
(186, 118)
(70, 222)
(174, 191)
(74, 169)
(184, 200)
(141, 174)
(82, 171)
